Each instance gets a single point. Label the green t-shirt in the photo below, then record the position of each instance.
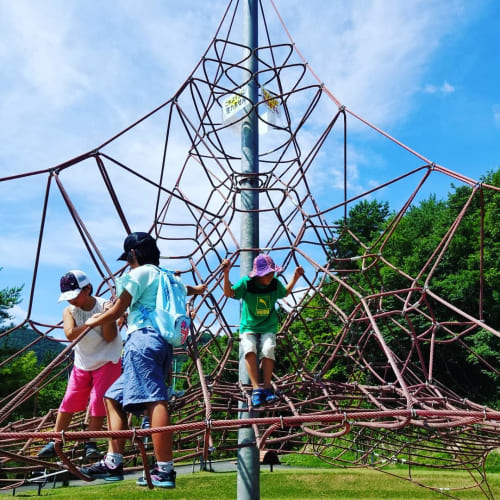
(258, 314)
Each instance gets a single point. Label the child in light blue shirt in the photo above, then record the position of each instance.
(147, 359)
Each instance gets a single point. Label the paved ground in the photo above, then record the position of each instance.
(218, 466)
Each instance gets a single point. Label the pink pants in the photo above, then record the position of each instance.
(92, 384)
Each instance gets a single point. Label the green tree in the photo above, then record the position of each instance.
(457, 275)
(9, 297)
(363, 225)
(15, 375)
(456, 278)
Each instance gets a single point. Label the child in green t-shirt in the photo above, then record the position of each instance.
(259, 292)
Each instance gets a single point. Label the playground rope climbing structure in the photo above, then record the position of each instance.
(390, 405)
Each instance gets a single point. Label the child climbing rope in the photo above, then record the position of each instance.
(259, 292)
(147, 359)
(97, 359)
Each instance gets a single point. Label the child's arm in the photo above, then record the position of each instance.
(70, 329)
(226, 266)
(196, 290)
(299, 271)
(109, 330)
(113, 313)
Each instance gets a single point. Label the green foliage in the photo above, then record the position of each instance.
(20, 368)
(211, 350)
(8, 297)
(45, 350)
(417, 240)
(15, 375)
(24, 368)
(306, 342)
(51, 395)
(302, 460)
(456, 278)
(493, 462)
(20, 371)
(365, 220)
(457, 275)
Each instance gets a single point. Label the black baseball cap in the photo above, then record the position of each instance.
(134, 240)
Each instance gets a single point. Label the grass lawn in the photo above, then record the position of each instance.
(303, 484)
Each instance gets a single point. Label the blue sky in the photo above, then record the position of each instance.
(74, 73)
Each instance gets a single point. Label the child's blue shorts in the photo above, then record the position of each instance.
(146, 362)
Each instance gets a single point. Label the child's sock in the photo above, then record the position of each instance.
(113, 460)
(166, 466)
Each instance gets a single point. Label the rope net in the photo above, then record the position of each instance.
(359, 365)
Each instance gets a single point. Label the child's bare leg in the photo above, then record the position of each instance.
(62, 421)
(267, 371)
(117, 421)
(162, 442)
(95, 423)
(252, 369)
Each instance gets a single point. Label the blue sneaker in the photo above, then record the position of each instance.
(159, 478)
(91, 451)
(48, 451)
(101, 471)
(269, 395)
(258, 397)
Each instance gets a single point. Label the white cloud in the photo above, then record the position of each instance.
(444, 88)
(17, 314)
(75, 73)
(371, 55)
(496, 113)
(45, 50)
(447, 88)
(73, 80)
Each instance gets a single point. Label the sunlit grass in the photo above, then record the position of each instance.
(303, 484)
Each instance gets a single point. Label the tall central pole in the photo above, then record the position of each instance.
(248, 483)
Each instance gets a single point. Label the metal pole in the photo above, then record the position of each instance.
(248, 483)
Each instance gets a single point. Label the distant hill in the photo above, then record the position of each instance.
(44, 350)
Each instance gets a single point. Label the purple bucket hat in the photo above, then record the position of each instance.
(262, 265)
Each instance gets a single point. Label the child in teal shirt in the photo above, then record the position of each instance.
(259, 292)
(147, 359)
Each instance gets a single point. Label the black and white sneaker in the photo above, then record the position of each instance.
(100, 470)
(159, 478)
